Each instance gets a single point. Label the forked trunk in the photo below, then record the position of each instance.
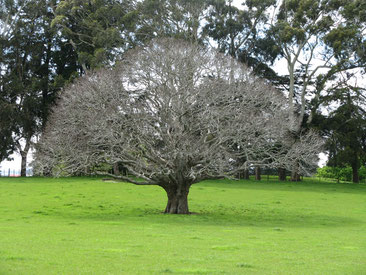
(281, 174)
(177, 200)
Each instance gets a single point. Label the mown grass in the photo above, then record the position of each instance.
(86, 226)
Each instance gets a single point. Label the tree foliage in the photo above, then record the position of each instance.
(340, 173)
(27, 80)
(346, 130)
(46, 44)
(96, 30)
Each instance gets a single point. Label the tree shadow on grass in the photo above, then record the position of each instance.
(277, 218)
(226, 217)
(260, 218)
(304, 186)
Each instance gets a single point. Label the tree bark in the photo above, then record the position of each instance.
(177, 199)
(24, 154)
(295, 176)
(116, 169)
(355, 176)
(258, 173)
(23, 167)
(281, 174)
(246, 174)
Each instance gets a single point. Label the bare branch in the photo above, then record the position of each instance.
(127, 179)
(172, 113)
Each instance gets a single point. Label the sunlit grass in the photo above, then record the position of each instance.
(86, 226)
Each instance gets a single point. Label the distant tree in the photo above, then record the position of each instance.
(234, 29)
(45, 45)
(182, 19)
(317, 40)
(344, 173)
(346, 130)
(6, 139)
(28, 85)
(98, 31)
(171, 113)
(9, 15)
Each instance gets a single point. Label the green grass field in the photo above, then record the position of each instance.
(86, 226)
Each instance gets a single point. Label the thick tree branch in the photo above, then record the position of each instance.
(127, 179)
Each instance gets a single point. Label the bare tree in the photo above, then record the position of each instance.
(173, 113)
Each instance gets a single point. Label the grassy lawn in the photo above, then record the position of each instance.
(86, 226)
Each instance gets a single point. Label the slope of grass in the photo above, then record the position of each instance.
(86, 226)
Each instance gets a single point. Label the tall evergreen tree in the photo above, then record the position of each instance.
(317, 41)
(181, 19)
(46, 44)
(36, 62)
(98, 31)
(27, 80)
(9, 14)
(346, 130)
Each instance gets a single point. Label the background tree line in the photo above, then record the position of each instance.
(318, 46)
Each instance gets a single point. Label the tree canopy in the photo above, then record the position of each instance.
(171, 112)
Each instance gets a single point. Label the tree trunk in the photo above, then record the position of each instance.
(246, 174)
(23, 167)
(281, 174)
(116, 169)
(177, 199)
(257, 173)
(295, 176)
(355, 176)
(24, 154)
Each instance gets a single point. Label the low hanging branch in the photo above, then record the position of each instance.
(123, 178)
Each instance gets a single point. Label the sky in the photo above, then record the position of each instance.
(15, 163)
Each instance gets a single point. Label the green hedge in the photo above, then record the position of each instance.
(340, 173)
